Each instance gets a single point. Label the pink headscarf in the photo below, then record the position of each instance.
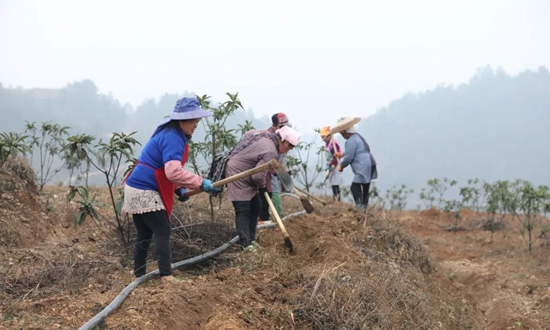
(289, 134)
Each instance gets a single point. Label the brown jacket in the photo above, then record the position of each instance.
(258, 153)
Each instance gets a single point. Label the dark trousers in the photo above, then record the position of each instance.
(336, 192)
(360, 192)
(264, 211)
(149, 224)
(246, 219)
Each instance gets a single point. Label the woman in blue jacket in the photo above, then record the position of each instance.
(149, 189)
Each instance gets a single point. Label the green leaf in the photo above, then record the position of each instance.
(80, 217)
(83, 192)
(93, 213)
(70, 195)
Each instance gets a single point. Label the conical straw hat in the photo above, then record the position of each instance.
(344, 124)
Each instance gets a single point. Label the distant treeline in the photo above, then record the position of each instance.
(495, 127)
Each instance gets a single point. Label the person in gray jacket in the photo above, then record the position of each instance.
(358, 155)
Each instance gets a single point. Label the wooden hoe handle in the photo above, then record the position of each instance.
(273, 164)
(310, 195)
(276, 215)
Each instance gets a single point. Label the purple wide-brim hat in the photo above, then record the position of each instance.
(186, 108)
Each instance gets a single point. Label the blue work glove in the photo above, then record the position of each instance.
(180, 192)
(207, 185)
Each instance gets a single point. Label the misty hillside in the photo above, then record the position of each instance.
(494, 127)
(81, 107)
(78, 105)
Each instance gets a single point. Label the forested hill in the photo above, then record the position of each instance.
(494, 127)
(81, 107)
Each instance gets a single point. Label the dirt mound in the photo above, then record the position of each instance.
(344, 274)
(47, 266)
(348, 271)
(431, 212)
(18, 175)
(21, 211)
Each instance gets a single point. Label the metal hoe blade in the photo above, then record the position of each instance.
(284, 177)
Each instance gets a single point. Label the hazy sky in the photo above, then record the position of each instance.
(329, 59)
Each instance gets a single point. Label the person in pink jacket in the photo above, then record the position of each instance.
(335, 153)
(255, 148)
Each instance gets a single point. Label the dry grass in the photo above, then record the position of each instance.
(348, 272)
(391, 288)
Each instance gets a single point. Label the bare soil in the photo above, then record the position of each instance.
(350, 270)
(511, 287)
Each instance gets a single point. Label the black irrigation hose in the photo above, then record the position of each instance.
(100, 317)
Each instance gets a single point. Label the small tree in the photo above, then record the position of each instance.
(218, 137)
(454, 207)
(375, 197)
(88, 208)
(247, 126)
(34, 139)
(11, 145)
(49, 142)
(397, 197)
(496, 196)
(472, 196)
(427, 197)
(436, 190)
(300, 165)
(511, 200)
(534, 204)
(112, 156)
(73, 164)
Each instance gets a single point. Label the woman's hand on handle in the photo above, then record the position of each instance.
(208, 186)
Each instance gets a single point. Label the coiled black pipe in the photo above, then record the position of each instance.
(109, 309)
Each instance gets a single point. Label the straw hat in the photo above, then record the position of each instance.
(324, 131)
(344, 124)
